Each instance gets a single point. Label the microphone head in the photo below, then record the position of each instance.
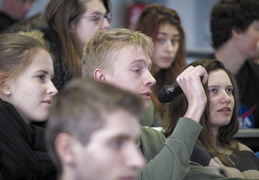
(169, 93)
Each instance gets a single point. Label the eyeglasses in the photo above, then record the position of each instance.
(98, 18)
(26, 1)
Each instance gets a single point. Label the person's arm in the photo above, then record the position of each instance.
(172, 162)
(197, 172)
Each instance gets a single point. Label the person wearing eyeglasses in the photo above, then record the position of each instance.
(71, 23)
(12, 11)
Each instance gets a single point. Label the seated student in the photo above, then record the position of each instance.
(12, 11)
(163, 25)
(70, 24)
(122, 57)
(92, 132)
(26, 92)
(216, 147)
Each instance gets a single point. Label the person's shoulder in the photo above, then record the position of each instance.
(151, 142)
(243, 147)
(149, 132)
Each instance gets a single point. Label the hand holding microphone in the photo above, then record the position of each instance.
(169, 92)
(186, 79)
(190, 82)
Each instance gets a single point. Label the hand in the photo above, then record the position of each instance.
(191, 81)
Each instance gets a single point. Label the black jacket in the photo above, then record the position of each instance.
(23, 154)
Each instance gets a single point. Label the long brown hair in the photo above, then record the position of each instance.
(60, 14)
(148, 23)
(178, 107)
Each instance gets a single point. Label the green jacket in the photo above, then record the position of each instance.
(169, 159)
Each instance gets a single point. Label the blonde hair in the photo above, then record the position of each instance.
(36, 34)
(17, 52)
(99, 50)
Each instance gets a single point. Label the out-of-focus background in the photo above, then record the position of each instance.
(194, 15)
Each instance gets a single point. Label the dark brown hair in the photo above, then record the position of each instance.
(178, 107)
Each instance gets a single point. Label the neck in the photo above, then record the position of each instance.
(66, 176)
(214, 131)
(231, 57)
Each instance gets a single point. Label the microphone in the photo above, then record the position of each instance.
(169, 92)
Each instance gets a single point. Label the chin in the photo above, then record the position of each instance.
(146, 105)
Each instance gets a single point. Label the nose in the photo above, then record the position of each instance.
(52, 90)
(225, 97)
(135, 159)
(169, 46)
(150, 80)
(105, 24)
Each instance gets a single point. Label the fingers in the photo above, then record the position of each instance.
(191, 81)
(197, 73)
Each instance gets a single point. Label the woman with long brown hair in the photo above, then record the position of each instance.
(216, 148)
(71, 23)
(163, 25)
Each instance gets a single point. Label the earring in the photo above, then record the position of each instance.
(7, 93)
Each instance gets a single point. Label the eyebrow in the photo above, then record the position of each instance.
(123, 137)
(165, 34)
(44, 72)
(98, 12)
(142, 61)
(219, 86)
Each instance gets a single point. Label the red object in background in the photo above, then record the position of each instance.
(133, 14)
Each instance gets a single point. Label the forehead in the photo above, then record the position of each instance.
(218, 76)
(40, 59)
(95, 6)
(131, 54)
(168, 28)
(119, 123)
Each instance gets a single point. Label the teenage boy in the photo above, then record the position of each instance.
(235, 37)
(92, 132)
(122, 57)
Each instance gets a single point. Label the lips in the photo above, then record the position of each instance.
(129, 178)
(146, 95)
(47, 102)
(225, 109)
(167, 59)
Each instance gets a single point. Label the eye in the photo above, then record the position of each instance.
(212, 90)
(175, 41)
(96, 17)
(229, 90)
(116, 144)
(136, 70)
(41, 76)
(161, 40)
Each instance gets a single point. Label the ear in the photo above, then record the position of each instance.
(99, 75)
(4, 87)
(235, 33)
(72, 27)
(65, 146)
